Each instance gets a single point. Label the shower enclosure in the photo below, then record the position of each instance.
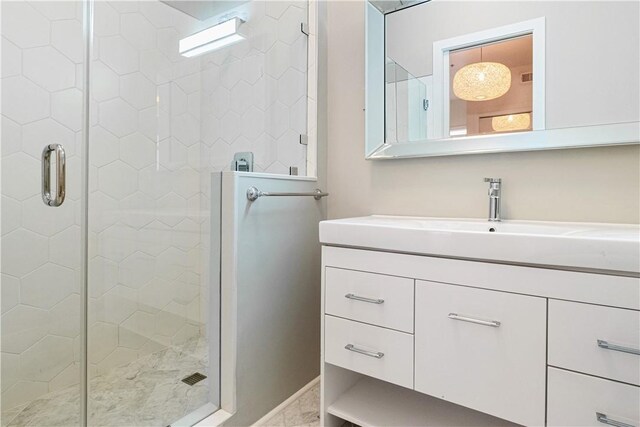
(109, 137)
(406, 104)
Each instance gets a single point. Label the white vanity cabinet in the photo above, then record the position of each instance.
(417, 340)
(347, 295)
(593, 365)
(582, 400)
(482, 349)
(574, 328)
(377, 352)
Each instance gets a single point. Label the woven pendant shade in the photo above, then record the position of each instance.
(482, 81)
(511, 122)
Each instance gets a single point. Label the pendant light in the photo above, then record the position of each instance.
(511, 122)
(482, 81)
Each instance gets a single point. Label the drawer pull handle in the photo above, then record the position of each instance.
(492, 323)
(364, 299)
(606, 345)
(376, 354)
(602, 418)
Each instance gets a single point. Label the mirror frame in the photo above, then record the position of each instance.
(544, 139)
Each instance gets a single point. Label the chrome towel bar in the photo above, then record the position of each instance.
(254, 194)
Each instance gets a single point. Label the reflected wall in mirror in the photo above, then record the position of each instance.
(459, 77)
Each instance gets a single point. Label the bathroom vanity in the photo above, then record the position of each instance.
(466, 322)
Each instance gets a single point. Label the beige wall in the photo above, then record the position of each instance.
(593, 184)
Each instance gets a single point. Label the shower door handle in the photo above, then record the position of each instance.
(61, 172)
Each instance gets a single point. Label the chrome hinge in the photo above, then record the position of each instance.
(304, 28)
(304, 139)
(425, 104)
(293, 170)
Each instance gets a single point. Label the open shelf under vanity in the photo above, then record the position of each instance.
(374, 403)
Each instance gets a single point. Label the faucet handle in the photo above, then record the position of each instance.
(493, 180)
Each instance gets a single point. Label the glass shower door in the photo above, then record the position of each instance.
(42, 80)
(159, 124)
(147, 291)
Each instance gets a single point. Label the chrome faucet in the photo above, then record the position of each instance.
(494, 198)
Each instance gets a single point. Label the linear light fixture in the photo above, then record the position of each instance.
(211, 38)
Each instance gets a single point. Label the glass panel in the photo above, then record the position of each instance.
(479, 104)
(146, 309)
(42, 72)
(412, 117)
(391, 100)
(406, 105)
(161, 124)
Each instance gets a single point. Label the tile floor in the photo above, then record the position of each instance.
(304, 412)
(147, 392)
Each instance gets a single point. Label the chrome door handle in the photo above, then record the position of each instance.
(364, 299)
(602, 418)
(605, 344)
(376, 354)
(61, 172)
(492, 323)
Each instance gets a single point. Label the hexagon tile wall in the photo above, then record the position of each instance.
(160, 124)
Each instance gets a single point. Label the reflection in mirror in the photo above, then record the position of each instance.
(406, 105)
(460, 77)
(476, 78)
(491, 87)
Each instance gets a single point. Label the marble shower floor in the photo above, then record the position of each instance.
(147, 392)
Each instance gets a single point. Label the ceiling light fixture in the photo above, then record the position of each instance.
(482, 81)
(212, 38)
(511, 122)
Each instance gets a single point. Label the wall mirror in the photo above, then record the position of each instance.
(461, 77)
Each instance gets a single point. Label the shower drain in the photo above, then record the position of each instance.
(194, 378)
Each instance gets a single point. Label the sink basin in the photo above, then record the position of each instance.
(581, 246)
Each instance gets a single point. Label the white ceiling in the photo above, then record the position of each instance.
(512, 53)
(203, 10)
(386, 6)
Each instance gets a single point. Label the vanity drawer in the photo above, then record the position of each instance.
(482, 349)
(389, 354)
(592, 339)
(371, 298)
(576, 399)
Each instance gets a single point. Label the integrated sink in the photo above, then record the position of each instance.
(582, 246)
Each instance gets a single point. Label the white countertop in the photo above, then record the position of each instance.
(582, 246)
